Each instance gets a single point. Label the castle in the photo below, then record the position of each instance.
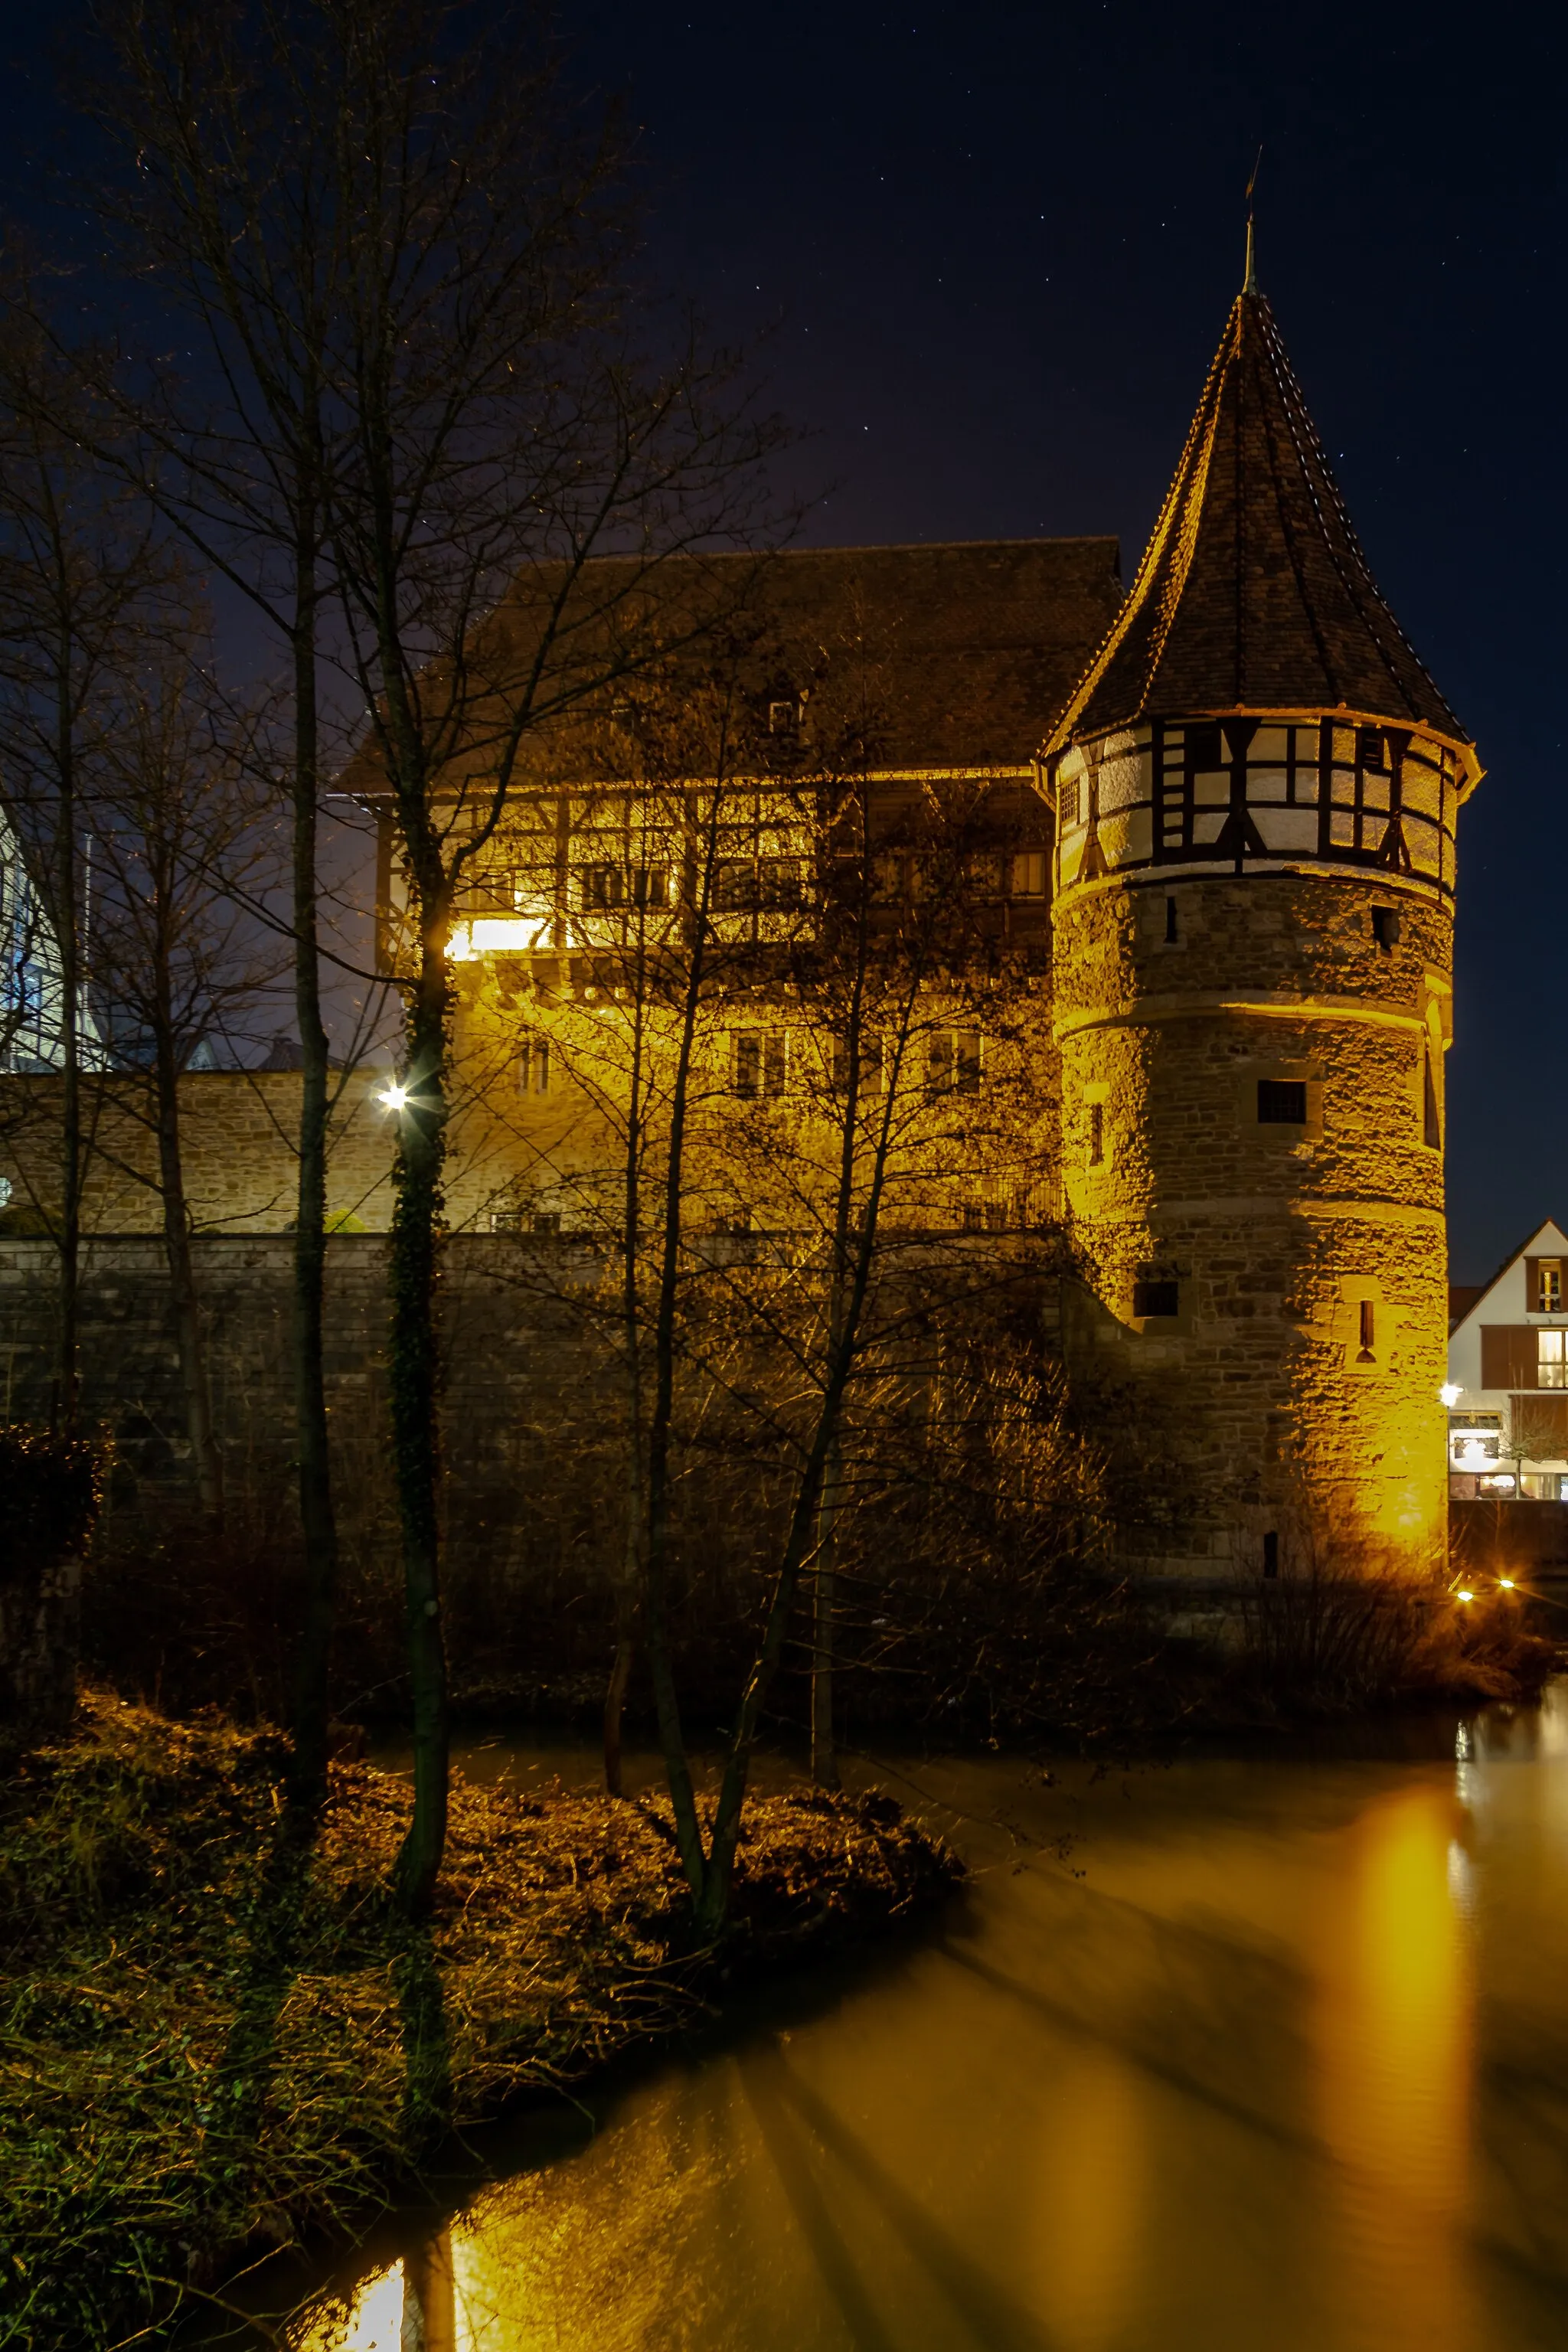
(1223, 810)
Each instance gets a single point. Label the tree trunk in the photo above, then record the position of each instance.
(823, 1755)
(69, 1376)
(416, 1228)
(205, 1457)
(616, 1691)
(628, 1587)
(316, 1523)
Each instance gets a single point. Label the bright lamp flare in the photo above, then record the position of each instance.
(394, 1096)
(1449, 1394)
(1506, 1582)
(1463, 1596)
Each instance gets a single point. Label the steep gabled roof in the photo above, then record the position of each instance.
(1475, 1292)
(1253, 592)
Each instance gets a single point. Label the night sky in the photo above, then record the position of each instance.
(994, 246)
(985, 253)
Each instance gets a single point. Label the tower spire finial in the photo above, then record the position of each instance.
(1249, 284)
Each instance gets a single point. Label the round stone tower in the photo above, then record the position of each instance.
(1255, 786)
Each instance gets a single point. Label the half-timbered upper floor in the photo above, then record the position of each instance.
(1254, 702)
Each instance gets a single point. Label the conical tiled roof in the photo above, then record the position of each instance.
(1253, 592)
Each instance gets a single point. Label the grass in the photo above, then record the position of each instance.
(215, 2036)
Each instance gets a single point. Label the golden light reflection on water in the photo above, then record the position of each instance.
(1217, 2093)
(1393, 2033)
(1091, 2217)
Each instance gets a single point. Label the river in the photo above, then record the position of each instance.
(1218, 2054)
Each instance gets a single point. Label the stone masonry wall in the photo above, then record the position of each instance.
(530, 1419)
(1277, 1235)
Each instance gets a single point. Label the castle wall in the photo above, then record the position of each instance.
(238, 1130)
(1298, 1377)
(526, 1389)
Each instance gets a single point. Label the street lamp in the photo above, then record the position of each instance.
(1449, 1394)
(394, 1096)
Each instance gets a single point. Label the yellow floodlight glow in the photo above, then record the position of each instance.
(1463, 1595)
(394, 1096)
(1506, 1582)
(1449, 1394)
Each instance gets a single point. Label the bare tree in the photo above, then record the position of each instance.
(878, 1154)
(185, 851)
(80, 571)
(502, 437)
(221, 213)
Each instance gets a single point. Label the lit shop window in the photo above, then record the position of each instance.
(1475, 1443)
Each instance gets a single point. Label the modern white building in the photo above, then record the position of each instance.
(1507, 1377)
(32, 995)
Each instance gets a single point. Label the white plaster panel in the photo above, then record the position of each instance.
(1124, 781)
(1286, 830)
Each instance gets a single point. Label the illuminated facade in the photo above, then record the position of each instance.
(1216, 856)
(1507, 1378)
(32, 991)
(1256, 784)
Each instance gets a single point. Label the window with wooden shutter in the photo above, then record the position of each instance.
(1508, 1356)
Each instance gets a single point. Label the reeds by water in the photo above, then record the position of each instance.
(215, 2033)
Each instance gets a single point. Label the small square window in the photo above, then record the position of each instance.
(1548, 1300)
(1366, 1332)
(1385, 928)
(1097, 1135)
(782, 718)
(1281, 1102)
(1205, 746)
(1372, 748)
(1029, 874)
(1156, 1298)
(533, 1067)
(1551, 1360)
(1068, 797)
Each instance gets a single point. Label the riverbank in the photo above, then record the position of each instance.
(211, 2039)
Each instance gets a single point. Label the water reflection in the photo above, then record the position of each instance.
(1286, 2064)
